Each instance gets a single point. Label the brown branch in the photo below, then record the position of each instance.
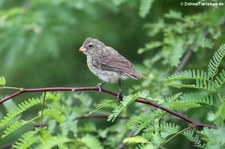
(184, 61)
(140, 100)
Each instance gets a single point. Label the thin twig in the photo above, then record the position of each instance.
(43, 107)
(184, 61)
(140, 100)
(123, 144)
(97, 116)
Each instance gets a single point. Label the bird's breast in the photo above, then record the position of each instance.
(105, 75)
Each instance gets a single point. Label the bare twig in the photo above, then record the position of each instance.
(140, 100)
(97, 116)
(123, 145)
(184, 61)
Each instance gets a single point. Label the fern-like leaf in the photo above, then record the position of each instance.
(192, 100)
(26, 140)
(55, 141)
(199, 84)
(198, 98)
(173, 97)
(123, 104)
(194, 137)
(17, 124)
(143, 94)
(53, 96)
(189, 75)
(144, 120)
(55, 113)
(168, 129)
(13, 127)
(181, 104)
(215, 61)
(220, 79)
(91, 142)
(23, 106)
(145, 6)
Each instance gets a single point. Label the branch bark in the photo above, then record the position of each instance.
(184, 61)
(140, 100)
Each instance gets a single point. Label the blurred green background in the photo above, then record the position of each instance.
(40, 41)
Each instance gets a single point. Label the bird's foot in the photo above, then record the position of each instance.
(119, 95)
(99, 86)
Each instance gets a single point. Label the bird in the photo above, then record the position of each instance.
(107, 64)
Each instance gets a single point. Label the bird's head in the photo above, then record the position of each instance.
(91, 46)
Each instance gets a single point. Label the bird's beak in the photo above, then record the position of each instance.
(83, 49)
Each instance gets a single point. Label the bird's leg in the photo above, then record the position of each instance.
(119, 93)
(99, 86)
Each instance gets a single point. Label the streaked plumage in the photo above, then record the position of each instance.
(106, 63)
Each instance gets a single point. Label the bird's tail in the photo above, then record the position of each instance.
(136, 76)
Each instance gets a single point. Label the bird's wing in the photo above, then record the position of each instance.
(113, 61)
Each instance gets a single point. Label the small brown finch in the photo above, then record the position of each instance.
(107, 64)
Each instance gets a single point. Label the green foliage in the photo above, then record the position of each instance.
(55, 114)
(202, 80)
(214, 137)
(145, 6)
(23, 106)
(168, 129)
(2, 81)
(144, 120)
(26, 140)
(11, 128)
(220, 79)
(215, 61)
(175, 42)
(91, 142)
(123, 104)
(136, 139)
(55, 141)
(189, 74)
(192, 100)
(194, 137)
(39, 48)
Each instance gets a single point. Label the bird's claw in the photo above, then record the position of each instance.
(119, 95)
(99, 86)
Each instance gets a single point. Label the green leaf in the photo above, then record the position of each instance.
(214, 137)
(189, 75)
(123, 104)
(194, 137)
(26, 140)
(23, 106)
(135, 139)
(2, 81)
(215, 61)
(91, 142)
(220, 79)
(168, 129)
(173, 15)
(55, 113)
(149, 46)
(143, 94)
(55, 141)
(145, 6)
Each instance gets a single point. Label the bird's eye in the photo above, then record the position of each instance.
(90, 45)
